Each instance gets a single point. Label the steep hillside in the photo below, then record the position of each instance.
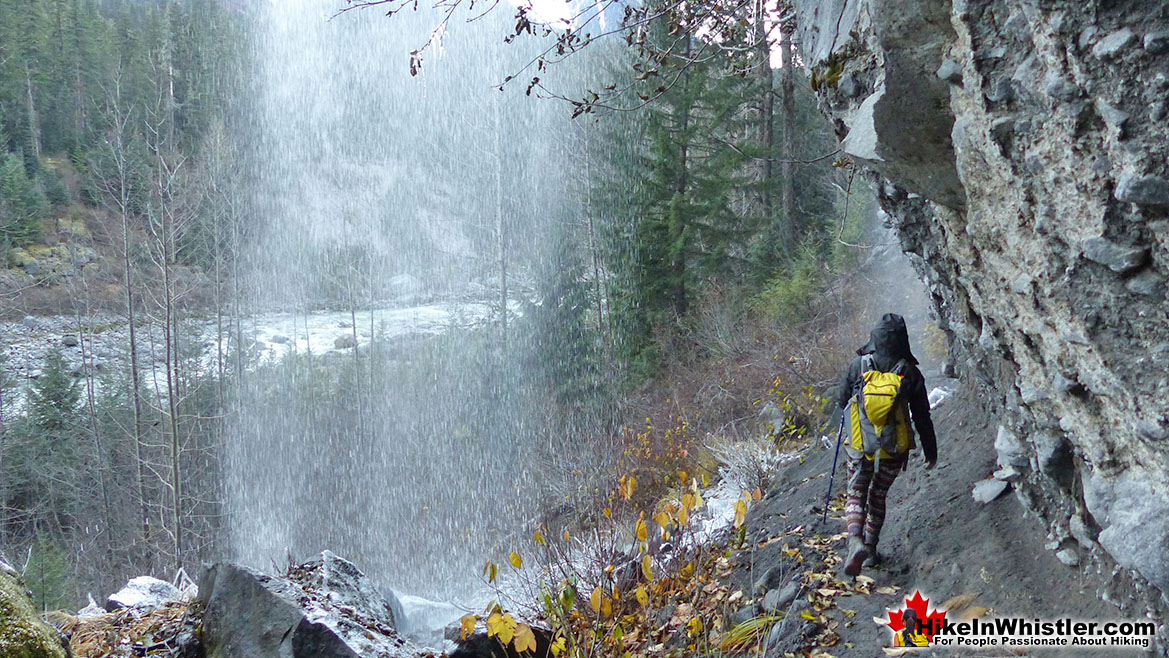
(1020, 148)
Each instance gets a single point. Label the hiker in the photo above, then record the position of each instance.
(910, 635)
(886, 383)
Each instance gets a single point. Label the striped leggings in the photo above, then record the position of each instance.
(866, 496)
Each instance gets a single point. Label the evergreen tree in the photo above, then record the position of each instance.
(22, 204)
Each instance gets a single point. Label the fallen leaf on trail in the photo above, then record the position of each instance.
(974, 613)
(888, 589)
(828, 591)
(865, 580)
(955, 603)
(880, 621)
(736, 596)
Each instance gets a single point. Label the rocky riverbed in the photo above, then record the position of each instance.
(100, 343)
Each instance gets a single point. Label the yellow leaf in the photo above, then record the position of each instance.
(687, 501)
(694, 627)
(467, 627)
(662, 519)
(683, 476)
(740, 513)
(606, 607)
(565, 536)
(607, 512)
(539, 538)
(757, 494)
(507, 629)
(494, 623)
(595, 600)
(683, 516)
(557, 647)
(705, 481)
(525, 639)
(642, 596)
(647, 567)
(493, 571)
(515, 559)
(632, 486)
(641, 531)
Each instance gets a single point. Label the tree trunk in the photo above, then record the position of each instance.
(788, 113)
(781, 229)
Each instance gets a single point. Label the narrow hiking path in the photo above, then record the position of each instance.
(981, 559)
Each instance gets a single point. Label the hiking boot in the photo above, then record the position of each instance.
(857, 552)
(874, 557)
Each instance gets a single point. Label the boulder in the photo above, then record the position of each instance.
(779, 599)
(986, 491)
(324, 608)
(23, 634)
(1009, 448)
(479, 645)
(345, 341)
(1132, 508)
(1146, 190)
(1111, 45)
(142, 594)
(1116, 257)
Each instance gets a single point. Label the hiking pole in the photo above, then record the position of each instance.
(839, 436)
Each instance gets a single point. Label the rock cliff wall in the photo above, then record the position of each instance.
(1020, 147)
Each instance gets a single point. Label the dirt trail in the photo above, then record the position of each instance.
(937, 539)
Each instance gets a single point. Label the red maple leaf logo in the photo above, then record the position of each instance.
(931, 622)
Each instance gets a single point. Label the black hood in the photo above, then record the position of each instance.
(889, 338)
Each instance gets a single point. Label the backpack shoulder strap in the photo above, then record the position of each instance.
(866, 363)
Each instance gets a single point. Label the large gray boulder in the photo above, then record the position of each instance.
(142, 594)
(324, 608)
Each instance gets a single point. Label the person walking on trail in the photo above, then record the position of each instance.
(881, 391)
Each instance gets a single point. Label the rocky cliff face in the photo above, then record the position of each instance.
(1021, 149)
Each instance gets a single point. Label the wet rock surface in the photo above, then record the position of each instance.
(325, 607)
(1049, 279)
(23, 633)
(142, 593)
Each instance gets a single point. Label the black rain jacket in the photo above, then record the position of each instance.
(889, 343)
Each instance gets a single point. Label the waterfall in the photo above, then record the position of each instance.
(416, 457)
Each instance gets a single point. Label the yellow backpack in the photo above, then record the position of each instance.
(879, 414)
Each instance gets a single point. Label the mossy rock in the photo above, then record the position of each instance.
(23, 634)
(74, 226)
(18, 257)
